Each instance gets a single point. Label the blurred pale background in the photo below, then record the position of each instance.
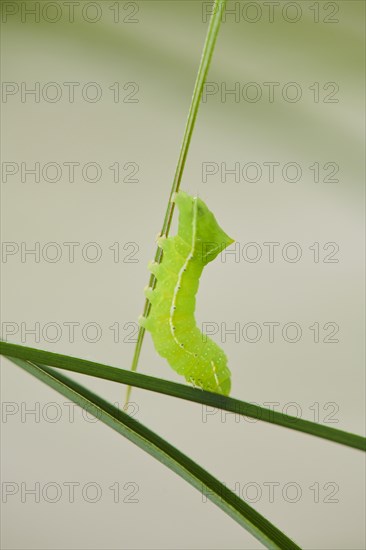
(156, 46)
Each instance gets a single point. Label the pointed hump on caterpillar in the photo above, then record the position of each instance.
(197, 223)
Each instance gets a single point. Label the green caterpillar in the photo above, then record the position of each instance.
(171, 321)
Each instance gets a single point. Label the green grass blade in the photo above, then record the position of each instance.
(204, 65)
(165, 453)
(182, 392)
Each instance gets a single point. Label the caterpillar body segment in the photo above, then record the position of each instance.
(171, 320)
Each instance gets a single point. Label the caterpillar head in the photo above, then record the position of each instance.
(197, 222)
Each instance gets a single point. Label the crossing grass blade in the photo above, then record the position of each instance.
(182, 391)
(264, 531)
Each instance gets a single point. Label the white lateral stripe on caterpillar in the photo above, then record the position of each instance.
(179, 280)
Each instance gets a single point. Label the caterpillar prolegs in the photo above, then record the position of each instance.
(171, 320)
